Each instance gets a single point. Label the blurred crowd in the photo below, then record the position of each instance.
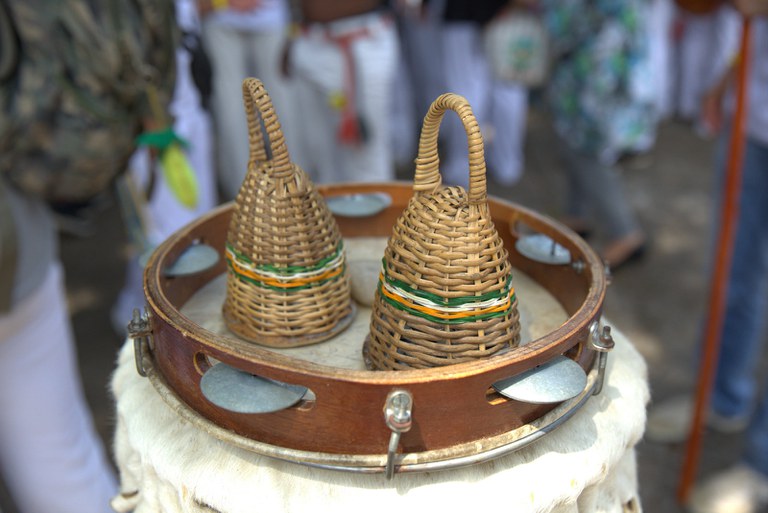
(351, 81)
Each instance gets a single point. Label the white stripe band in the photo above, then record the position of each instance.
(467, 307)
(336, 262)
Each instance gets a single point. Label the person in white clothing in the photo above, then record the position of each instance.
(51, 457)
(246, 38)
(500, 106)
(162, 214)
(345, 57)
(697, 52)
(661, 14)
(420, 75)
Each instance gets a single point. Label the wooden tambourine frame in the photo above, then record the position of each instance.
(457, 417)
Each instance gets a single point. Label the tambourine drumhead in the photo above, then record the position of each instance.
(540, 313)
(344, 419)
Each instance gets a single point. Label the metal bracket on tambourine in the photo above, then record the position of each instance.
(398, 417)
(140, 331)
(602, 342)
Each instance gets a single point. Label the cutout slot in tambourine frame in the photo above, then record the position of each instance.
(343, 427)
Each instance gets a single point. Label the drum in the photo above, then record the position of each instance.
(378, 421)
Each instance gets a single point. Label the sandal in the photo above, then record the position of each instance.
(578, 225)
(625, 250)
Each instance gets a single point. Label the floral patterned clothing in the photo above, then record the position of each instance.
(600, 91)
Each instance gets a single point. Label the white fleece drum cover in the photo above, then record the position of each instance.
(586, 465)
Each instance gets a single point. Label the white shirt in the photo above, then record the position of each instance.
(269, 15)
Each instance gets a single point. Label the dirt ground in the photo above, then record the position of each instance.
(657, 302)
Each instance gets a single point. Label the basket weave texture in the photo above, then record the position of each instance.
(444, 294)
(287, 280)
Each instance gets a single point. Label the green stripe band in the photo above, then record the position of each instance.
(438, 320)
(291, 269)
(453, 301)
(263, 285)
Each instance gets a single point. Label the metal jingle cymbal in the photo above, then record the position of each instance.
(555, 381)
(241, 392)
(542, 248)
(359, 205)
(196, 258)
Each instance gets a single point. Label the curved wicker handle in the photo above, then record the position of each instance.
(427, 177)
(256, 100)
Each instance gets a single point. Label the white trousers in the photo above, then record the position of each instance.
(420, 81)
(236, 55)
(694, 55)
(499, 106)
(50, 455)
(319, 65)
(661, 15)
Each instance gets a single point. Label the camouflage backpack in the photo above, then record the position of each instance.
(74, 83)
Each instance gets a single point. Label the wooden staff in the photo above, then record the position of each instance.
(722, 265)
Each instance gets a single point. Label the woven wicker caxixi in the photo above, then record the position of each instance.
(445, 291)
(287, 282)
